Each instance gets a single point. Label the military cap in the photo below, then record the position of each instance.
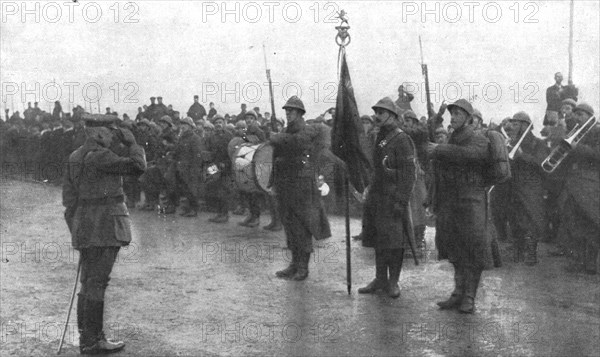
(218, 117)
(386, 103)
(570, 102)
(241, 125)
(477, 114)
(188, 121)
(584, 107)
(151, 98)
(462, 104)
(167, 119)
(251, 112)
(100, 120)
(521, 116)
(196, 96)
(159, 98)
(409, 114)
(295, 103)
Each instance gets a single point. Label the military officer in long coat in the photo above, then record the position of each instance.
(98, 218)
(385, 222)
(525, 191)
(295, 182)
(460, 205)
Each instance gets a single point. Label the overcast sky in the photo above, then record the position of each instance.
(504, 53)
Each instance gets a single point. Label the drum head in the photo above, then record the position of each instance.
(262, 163)
(233, 145)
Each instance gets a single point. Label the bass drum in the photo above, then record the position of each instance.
(253, 166)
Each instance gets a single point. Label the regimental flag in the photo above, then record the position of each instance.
(347, 133)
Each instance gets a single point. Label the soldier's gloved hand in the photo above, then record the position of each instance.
(126, 136)
(443, 108)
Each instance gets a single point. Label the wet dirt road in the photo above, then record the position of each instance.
(189, 287)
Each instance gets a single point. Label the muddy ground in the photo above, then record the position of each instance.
(189, 287)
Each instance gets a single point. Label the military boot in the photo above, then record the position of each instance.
(530, 251)
(81, 317)
(381, 277)
(459, 290)
(239, 211)
(245, 221)
(253, 222)
(274, 226)
(591, 259)
(220, 218)
(395, 266)
(291, 269)
(518, 248)
(96, 342)
(472, 276)
(302, 271)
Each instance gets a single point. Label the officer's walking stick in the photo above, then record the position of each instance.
(70, 306)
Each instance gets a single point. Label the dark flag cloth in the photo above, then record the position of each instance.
(347, 134)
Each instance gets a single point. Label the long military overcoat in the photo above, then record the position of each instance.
(387, 222)
(93, 194)
(460, 199)
(295, 182)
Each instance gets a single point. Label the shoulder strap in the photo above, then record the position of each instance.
(392, 134)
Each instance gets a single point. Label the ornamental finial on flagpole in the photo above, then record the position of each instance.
(343, 37)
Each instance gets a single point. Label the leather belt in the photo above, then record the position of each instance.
(101, 201)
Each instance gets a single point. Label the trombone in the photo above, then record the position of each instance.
(560, 152)
(513, 151)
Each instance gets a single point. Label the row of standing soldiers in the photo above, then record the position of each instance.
(561, 207)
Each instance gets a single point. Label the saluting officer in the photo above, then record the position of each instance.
(385, 222)
(98, 218)
(295, 182)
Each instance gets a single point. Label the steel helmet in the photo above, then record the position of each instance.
(167, 119)
(521, 116)
(462, 104)
(585, 108)
(570, 102)
(409, 114)
(294, 103)
(188, 121)
(251, 112)
(388, 104)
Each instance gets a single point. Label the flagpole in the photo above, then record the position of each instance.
(343, 39)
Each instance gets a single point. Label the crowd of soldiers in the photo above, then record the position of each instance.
(189, 159)
(190, 166)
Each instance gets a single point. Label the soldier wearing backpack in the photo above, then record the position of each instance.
(460, 205)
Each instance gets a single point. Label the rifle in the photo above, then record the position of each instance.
(273, 117)
(425, 72)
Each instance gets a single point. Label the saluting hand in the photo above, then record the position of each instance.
(126, 136)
